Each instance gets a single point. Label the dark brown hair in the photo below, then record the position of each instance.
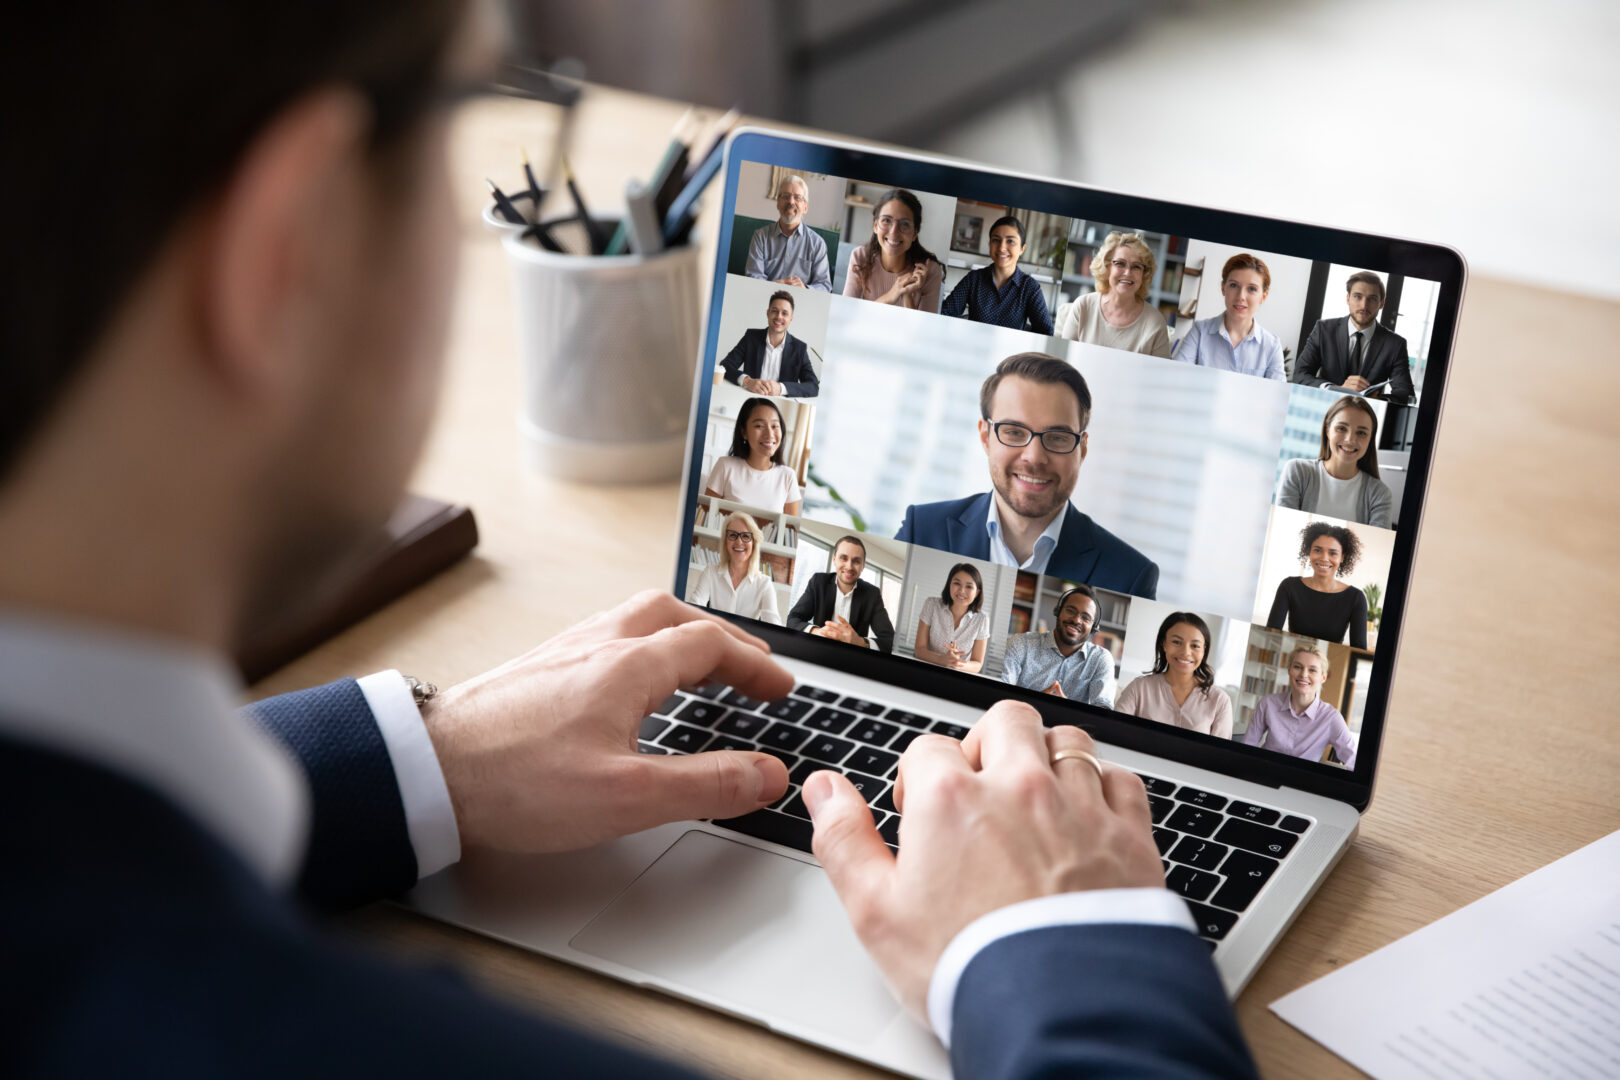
(739, 431)
(782, 294)
(978, 582)
(1369, 458)
(1161, 663)
(1040, 368)
(916, 253)
(150, 112)
(1366, 277)
(1349, 543)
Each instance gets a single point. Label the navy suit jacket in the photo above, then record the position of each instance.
(747, 357)
(1086, 552)
(1324, 359)
(135, 944)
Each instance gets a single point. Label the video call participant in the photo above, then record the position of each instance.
(892, 267)
(1353, 353)
(737, 585)
(1318, 604)
(1001, 294)
(752, 471)
(1035, 410)
(1343, 481)
(837, 604)
(771, 360)
(1180, 690)
(1233, 340)
(1063, 661)
(1296, 721)
(1117, 314)
(789, 252)
(952, 631)
(275, 419)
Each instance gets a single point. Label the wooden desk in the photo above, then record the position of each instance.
(1503, 748)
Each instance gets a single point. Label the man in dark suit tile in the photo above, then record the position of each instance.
(1034, 411)
(1354, 352)
(772, 361)
(839, 605)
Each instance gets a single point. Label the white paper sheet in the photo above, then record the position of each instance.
(1524, 982)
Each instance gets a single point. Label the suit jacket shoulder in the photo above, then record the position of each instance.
(1089, 553)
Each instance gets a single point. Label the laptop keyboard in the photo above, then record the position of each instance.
(1218, 852)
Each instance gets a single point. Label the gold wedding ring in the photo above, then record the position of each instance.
(1080, 754)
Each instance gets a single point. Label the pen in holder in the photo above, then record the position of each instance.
(607, 344)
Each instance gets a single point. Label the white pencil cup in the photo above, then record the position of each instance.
(607, 345)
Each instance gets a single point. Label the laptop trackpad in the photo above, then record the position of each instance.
(759, 933)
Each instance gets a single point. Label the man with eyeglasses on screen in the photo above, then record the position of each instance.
(1034, 410)
(789, 252)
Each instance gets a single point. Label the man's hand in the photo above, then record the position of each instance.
(1355, 383)
(793, 280)
(1056, 689)
(540, 753)
(987, 822)
(769, 387)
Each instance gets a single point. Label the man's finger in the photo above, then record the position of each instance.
(718, 784)
(1010, 733)
(848, 845)
(699, 651)
(928, 757)
(1127, 796)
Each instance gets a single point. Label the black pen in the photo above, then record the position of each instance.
(543, 236)
(504, 206)
(593, 228)
(536, 192)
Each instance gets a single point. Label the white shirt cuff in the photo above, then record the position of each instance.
(1143, 907)
(429, 818)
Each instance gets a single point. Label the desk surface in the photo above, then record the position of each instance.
(1501, 754)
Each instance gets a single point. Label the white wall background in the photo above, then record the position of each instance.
(1282, 557)
(743, 308)
(926, 571)
(1284, 307)
(753, 198)
(1478, 116)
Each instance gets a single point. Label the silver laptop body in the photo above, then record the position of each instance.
(740, 918)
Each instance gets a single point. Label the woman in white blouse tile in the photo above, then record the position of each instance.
(951, 630)
(752, 471)
(736, 584)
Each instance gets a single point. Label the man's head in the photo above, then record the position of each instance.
(1307, 670)
(1364, 296)
(849, 559)
(1076, 615)
(1032, 393)
(779, 312)
(792, 201)
(250, 346)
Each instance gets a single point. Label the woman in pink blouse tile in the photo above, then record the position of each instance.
(892, 267)
(1180, 690)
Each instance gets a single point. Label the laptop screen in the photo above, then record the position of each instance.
(1140, 467)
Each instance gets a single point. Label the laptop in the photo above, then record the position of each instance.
(1225, 522)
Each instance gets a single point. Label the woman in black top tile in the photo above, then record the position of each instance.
(1319, 605)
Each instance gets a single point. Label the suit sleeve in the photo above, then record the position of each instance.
(1400, 390)
(359, 846)
(804, 383)
(883, 630)
(1307, 370)
(735, 360)
(804, 610)
(906, 528)
(1150, 1006)
(1146, 584)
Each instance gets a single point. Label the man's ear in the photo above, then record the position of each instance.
(270, 232)
(984, 436)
